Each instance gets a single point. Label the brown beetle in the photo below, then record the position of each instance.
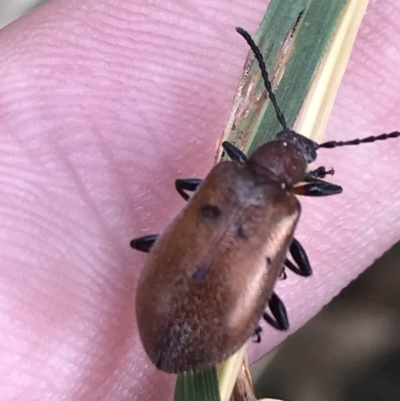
(239, 223)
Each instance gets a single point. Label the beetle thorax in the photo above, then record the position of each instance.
(280, 160)
(285, 158)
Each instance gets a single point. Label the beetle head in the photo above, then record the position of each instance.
(307, 147)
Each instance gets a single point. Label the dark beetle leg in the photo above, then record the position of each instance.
(257, 333)
(282, 274)
(144, 244)
(279, 318)
(320, 172)
(187, 184)
(299, 255)
(234, 153)
(295, 269)
(317, 187)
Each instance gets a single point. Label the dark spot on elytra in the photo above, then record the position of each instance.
(269, 261)
(211, 212)
(240, 232)
(200, 272)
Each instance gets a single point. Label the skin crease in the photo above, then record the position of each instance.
(102, 106)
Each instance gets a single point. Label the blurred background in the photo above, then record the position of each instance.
(350, 351)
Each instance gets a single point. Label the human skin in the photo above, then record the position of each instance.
(102, 106)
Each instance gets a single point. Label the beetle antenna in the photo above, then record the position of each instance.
(369, 139)
(264, 73)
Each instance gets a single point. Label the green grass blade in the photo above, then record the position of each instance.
(306, 45)
(202, 386)
(293, 38)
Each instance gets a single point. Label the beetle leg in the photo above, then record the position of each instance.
(279, 318)
(257, 332)
(282, 274)
(299, 255)
(295, 269)
(187, 184)
(316, 187)
(234, 153)
(144, 244)
(320, 172)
